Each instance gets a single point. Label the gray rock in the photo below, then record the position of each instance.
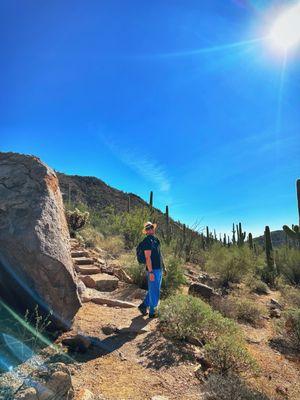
(201, 290)
(275, 304)
(35, 262)
(102, 282)
(112, 302)
(275, 313)
(49, 383)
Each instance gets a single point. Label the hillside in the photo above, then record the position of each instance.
(278, 238)
(97, 195)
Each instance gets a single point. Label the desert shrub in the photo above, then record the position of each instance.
(290, 296)
(114, 245)
(288, 264)
(230, 387)
(91, 237)
(138, 274)
(242, 310)
(76, 220)
(248, 311)
(257, 285)
(130, 225)
(231, 264)
(292, 326)
(184, 316)
(227, 354)
(174, 276)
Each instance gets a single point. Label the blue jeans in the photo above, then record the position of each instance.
(152, 298)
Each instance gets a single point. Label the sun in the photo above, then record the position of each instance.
(284, 34)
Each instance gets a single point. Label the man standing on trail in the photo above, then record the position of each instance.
(150, 248)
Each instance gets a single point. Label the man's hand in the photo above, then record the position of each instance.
(151, 276)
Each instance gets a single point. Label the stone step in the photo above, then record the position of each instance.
(79, 253)
(112, 302)
(83, 261)
(101, 282)
(88, 269)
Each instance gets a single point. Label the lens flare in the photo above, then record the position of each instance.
(285, 31)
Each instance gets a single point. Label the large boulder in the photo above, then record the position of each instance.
(35, 262)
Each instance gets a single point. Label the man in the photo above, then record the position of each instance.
(154, 266)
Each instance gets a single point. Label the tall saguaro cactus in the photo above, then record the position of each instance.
(233, 234)
(208, 237)
(270, 262)
(151, 199)
(240, 235)
(250, 240)
(294, 232)
(128, 203)
(168, 228)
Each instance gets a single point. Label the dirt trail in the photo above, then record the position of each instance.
(134, 365)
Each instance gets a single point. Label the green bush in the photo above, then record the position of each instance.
(290, 296)
(91, 237)
(227, 354)
(248, 311)
(242, 310)
(231, 264)
(257, 286)
(138, 274)
(184, 316)
(130, 225)
(174, 276)
(292, 326)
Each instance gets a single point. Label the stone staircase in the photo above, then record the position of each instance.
(103, 281)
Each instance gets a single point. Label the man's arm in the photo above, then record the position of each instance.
(149, 264)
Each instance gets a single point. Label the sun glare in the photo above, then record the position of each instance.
(285, 32)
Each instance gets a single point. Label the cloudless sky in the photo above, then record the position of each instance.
(178, 97)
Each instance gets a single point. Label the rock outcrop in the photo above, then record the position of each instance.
(51, 382)
(35, 262)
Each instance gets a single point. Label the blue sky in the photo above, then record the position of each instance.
(179, 97)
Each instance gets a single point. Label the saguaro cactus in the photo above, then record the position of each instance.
(233, 234)
(208, 237)
(271, 272)
(151, 199)
(240, 235)
(250, 240)
(128, 203)
(294, 232)
(168, 228)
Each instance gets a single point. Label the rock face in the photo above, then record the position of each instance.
(35, 262)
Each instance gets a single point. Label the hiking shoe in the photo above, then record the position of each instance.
(143, 309)
(153, 315)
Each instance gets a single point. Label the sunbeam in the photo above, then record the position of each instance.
(280, 96)
(205, 50)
